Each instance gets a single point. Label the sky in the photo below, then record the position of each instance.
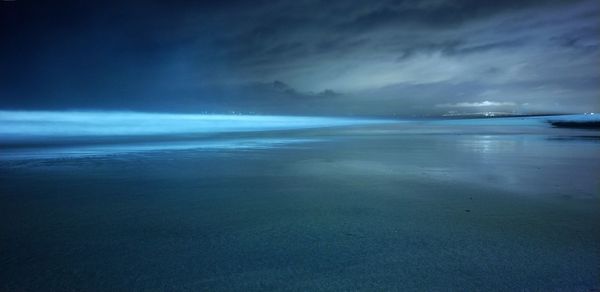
(304, 57)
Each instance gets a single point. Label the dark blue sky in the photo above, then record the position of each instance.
(301, 57)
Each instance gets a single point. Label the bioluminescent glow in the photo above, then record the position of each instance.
(46, 134)
(28, 124)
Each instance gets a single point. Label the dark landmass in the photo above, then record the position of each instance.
(576, 124)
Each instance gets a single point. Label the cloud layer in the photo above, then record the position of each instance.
(304, 57)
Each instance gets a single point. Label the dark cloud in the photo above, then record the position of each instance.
(299, 56)
(436, 14)
(457, 47)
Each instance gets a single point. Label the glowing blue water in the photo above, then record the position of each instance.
(48, 134)
(25, 124)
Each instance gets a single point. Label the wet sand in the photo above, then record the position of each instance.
(387, 207)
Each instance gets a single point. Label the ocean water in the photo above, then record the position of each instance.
(494, 204)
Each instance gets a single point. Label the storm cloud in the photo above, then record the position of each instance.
(301, 57)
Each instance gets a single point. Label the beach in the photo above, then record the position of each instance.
(423, 205)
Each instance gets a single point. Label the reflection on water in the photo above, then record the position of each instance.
(486, 144)
(529, 163)
(123, 149)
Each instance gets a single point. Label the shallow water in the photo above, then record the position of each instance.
(420, 205)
